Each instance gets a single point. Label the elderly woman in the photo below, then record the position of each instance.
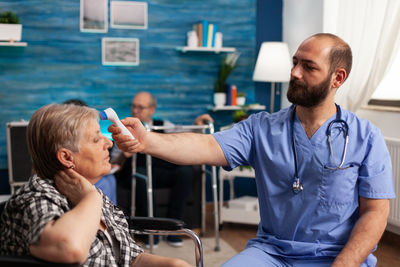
(59, 215)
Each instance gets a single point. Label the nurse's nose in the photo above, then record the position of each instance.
(296, 72)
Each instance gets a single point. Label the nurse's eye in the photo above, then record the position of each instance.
(95, 140)
(309, 67)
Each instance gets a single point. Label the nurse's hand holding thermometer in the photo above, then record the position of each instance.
(121, 134)
(109, 114)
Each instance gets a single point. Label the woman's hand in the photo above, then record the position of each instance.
(68, 238)
(73, 185)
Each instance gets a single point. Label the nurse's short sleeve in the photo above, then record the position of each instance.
(375, 176)
(237, 142)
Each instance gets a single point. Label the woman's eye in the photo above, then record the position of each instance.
(96, 140)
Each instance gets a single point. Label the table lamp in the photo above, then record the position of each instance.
(273, 65)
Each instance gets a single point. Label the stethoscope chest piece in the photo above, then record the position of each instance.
(297, 186)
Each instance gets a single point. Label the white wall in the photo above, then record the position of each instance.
(387, 121)
(301, 19)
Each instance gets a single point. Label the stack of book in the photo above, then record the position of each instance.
(205, 33)
(231, 92)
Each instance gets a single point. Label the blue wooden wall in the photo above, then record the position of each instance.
(60, 62)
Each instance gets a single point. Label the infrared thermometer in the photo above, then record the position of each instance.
(109, 114)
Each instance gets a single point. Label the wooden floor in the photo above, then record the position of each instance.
(237, 235)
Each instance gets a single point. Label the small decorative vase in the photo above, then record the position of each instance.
(219, 99)
(10, 32)
(240, 100)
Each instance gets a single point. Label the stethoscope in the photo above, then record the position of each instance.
(297, 185)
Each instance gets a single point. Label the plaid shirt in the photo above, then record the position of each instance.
(38, 202)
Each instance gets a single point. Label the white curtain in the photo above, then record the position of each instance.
(372, 29)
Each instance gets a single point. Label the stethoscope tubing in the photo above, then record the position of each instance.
(297, 185)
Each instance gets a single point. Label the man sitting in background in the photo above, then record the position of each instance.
(165, 175)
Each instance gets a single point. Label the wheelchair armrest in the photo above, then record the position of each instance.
(25, 260)
(151, 223)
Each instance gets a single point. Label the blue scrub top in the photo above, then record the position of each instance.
(317, 221)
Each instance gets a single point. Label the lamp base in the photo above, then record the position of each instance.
(272, 99)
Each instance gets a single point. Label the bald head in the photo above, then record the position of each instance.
(146, 97)
(143, 106)
(340, 55)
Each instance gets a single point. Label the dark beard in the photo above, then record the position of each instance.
(299, 94)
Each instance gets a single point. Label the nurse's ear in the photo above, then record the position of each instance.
(338, 77)
(66, 157)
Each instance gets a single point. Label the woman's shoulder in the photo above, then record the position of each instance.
(39, 191)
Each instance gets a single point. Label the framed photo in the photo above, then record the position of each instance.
(94, 16)
(128, 15)
(120, 51)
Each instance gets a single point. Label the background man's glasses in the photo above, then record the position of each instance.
(138, 107)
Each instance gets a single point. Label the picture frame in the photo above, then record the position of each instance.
(128, 15)
(120, 51)
(94, 16)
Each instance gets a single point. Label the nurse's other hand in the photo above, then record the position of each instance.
(73, 185)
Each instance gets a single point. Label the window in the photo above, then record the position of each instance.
(388, 91)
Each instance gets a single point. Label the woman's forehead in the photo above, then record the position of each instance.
(91, 127)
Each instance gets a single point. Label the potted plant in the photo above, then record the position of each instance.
(240, 98)
(227, 65)
(10, 29)
(239, 115)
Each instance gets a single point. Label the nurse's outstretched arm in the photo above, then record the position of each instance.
(367, 231)
(178, 148)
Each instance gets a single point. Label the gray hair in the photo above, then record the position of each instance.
(53, 127)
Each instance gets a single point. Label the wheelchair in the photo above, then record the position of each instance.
(141, 225)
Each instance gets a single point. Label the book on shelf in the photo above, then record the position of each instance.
(228, 101)
(231, 93)
(210, 34)
(205, 33)
(213, 35)
(199, 32)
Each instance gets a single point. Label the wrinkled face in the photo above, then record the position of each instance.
(141, 107)
(93, 160)
(310, 79)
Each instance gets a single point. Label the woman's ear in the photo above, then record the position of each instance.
(65, 157)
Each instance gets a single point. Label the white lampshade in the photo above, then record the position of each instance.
(273, 63)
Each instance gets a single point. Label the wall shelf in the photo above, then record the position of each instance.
(185, 49)
(20, 44)
(246, 107)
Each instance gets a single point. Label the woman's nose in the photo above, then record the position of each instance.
(108, 142)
